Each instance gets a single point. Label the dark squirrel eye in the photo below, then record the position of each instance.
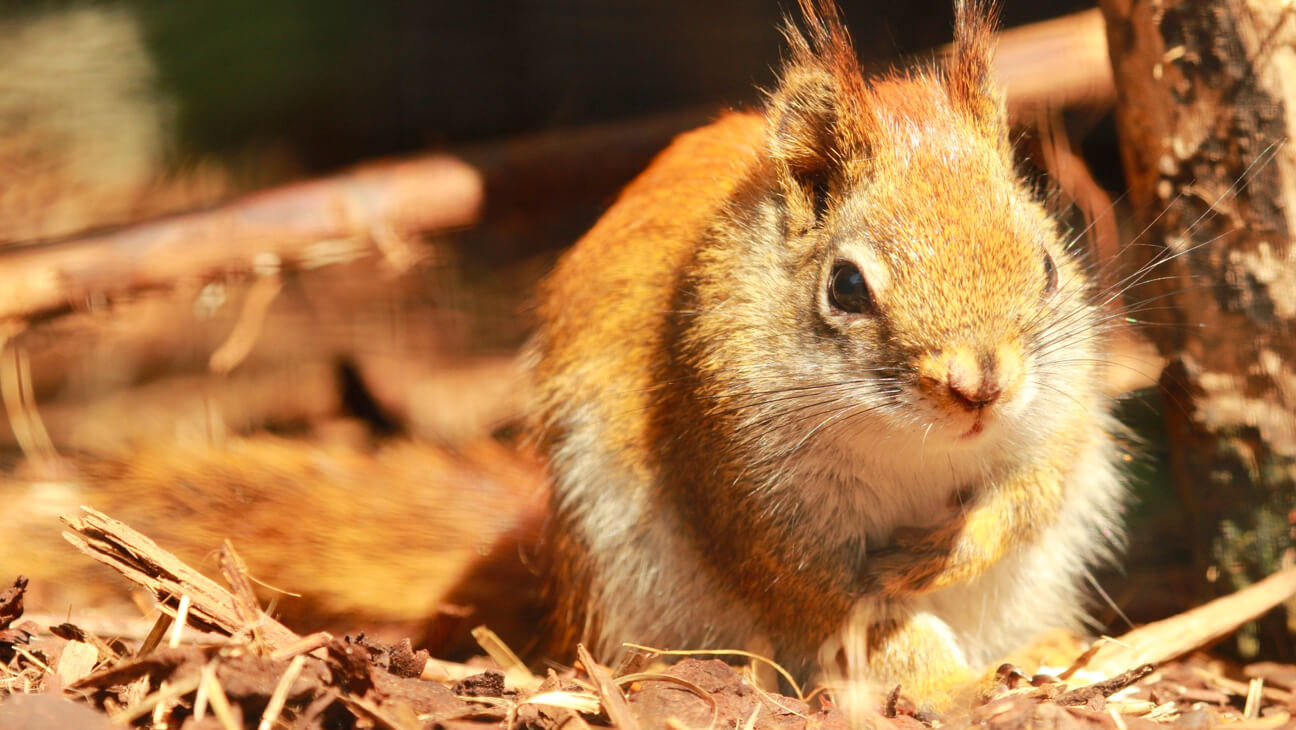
(1050, 275)
(847, 290)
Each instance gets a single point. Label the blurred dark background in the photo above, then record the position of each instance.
(330, 82)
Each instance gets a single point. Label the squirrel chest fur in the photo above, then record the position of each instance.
(826, 356)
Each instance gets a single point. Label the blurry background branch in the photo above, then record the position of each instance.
(527, 196)
(303, 226)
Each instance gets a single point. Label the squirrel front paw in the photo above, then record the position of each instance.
(915, 561)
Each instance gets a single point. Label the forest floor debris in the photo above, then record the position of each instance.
(252, 672)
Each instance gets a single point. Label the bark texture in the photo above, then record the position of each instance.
(1205, 98)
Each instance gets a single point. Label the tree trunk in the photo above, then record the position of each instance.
(1203, 90)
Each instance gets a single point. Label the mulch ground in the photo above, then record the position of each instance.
(63, 677)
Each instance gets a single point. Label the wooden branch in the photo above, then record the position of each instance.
(1164, 640)
(152, 413)
(307, 224)
(1053, 64)
(212, 607)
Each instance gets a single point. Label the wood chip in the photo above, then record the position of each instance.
(235, 572)
(78, 660)
(1095, 696)
(613, 701)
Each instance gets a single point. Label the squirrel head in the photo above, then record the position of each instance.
(908, 277)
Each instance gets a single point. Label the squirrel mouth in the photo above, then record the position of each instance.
(977, 427)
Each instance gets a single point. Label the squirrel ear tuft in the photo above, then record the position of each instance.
(968, 70)
(816, 87)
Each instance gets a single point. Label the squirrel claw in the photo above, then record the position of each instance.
(1008, 678)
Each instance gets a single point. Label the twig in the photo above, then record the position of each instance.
(694, 688)
(247, 329)
(787, 676)
(280, 696)
(514, 668)
(167, 693)
(614, 702)
(182, 615)
(154, 638)
(20, 402)
(216, 698)
(1251, 710)
(1164, 640)
(306, 645)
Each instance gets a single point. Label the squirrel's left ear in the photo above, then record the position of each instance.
(968, 77)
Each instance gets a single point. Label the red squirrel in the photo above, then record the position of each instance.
(826, 357)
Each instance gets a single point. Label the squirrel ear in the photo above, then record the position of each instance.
(968, 77)
(802, 114)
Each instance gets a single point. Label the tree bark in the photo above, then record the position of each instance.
(1206, 93)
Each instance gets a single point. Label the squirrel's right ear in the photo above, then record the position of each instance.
(802, 115)
(805, 137)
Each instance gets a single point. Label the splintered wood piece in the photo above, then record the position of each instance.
(1095, 695)
(235, 573)
(614, 702)
(155, 634)
(213, 608)
(1164, 640)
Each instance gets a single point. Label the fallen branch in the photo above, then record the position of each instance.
(1164, 640)
(1056, 63)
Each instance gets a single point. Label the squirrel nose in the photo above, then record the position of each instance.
(973, 383)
